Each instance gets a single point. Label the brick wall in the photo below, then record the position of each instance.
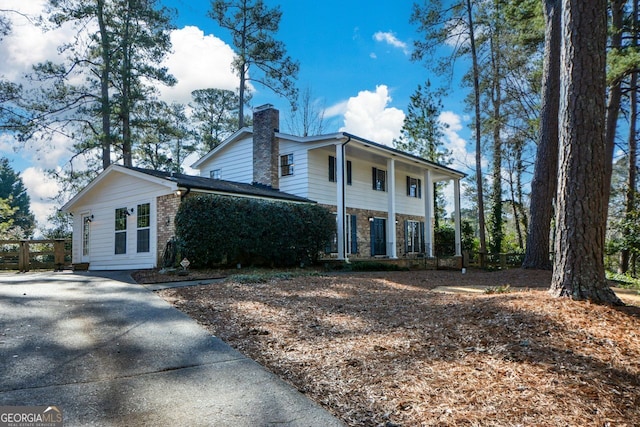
(167, 209)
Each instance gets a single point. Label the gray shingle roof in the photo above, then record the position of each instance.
(222, 186)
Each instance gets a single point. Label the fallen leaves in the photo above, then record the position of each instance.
(385, 349)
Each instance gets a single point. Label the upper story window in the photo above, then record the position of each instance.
(414, 187)
(333, 170)
(286, 165)
(215, 174)
(379, 179)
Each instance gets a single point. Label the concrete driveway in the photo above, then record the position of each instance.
(109, 352)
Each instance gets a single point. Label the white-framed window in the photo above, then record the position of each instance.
(121, 231)
(86, 232)
(414, 187)
(413, 235)
(379, 179)
(143, 223)
(286, 165)
(215, 174)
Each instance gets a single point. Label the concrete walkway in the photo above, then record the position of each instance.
(111, 353)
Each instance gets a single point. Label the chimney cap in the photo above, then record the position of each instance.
(263, 107)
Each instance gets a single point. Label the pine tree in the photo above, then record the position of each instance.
(18, 219)
(260, 58)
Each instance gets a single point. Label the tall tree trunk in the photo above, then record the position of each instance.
(578, 269)
(105, 107)
(478, 131)
(496, 226)
(613, 103)
(126, 91)
(630, 204)
(543, 187)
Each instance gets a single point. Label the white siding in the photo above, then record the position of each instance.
(235, 162)
(360, 194)
(405, 204)
(298, 183)
(116, 191)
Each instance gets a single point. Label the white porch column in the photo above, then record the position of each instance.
(392, 250)
(456, 202)
(340, 202)
(428, 213)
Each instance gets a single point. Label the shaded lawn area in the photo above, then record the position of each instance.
(387, 349)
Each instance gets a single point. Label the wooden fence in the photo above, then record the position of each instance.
(493, 261)
(25, 255)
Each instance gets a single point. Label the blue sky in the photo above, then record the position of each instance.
(355, 56)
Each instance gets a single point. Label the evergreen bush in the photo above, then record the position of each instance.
(221, 230)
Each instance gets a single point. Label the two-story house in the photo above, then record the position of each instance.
(382, 197)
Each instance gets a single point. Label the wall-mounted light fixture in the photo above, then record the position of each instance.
(370, 219)
(126, 211)
(90, 218)
(182, 192)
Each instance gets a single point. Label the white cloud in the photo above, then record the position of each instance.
(41, 189)
(463, 159)
(338, 109)
(198, 61)
(392, 40)
(368, 116)
(27, 44)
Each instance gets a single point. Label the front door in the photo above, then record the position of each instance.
(86, 237)
(378, 236)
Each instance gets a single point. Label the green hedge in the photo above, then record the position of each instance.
(215, 230)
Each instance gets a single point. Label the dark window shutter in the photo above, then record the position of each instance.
(375, 178)
(354, 235)
(332, 169)
(420, 189)
(406, 236)
(373, 236)
(408, 186)
(348, 172)
(423, 246)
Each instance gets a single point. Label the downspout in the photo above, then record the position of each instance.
(343, 214)
(184, 194)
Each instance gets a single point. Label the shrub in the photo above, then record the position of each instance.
(215, 230)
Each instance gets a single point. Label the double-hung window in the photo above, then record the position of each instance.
(215, 174)
(144, 223)
(379, 179)
(333, 170)
(413, 235)
(121, 231)
(286, 165)
(414, 187)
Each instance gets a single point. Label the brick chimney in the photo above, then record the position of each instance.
(266, 122)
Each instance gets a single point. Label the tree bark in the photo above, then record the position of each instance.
(543, 187)
(578, 270)
(105, 107)
(630, 203)
(613, 103)
(478, 131)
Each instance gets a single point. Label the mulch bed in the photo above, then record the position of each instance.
(386, 349)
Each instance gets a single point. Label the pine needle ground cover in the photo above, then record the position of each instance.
(390, 348)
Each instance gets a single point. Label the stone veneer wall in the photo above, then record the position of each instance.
(266, 121)
(167, 208)
(364, 230)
